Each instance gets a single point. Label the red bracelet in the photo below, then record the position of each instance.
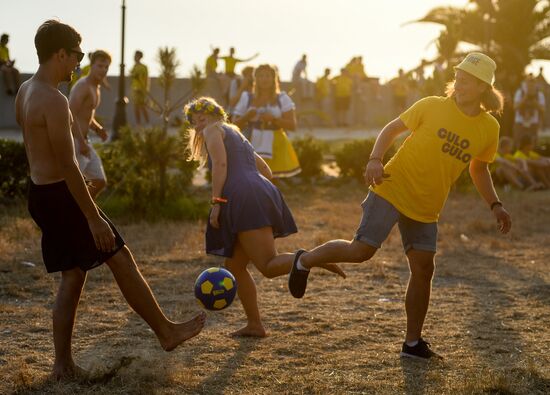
(218, 200)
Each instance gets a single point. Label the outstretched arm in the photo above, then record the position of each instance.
(250, 58)
(481, 177)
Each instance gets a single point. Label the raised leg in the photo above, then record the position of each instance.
(140, 297)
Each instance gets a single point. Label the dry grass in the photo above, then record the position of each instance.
(489, 314)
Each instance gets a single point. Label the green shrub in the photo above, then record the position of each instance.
(14, 169)
(176, 208)
(146, 168)
(352, 158)
(310, 155)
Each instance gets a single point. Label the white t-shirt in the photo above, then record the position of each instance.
(285, 102)
(533, 116)
(299, 68)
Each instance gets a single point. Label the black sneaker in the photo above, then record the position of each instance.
(420, 351)
(297, 279)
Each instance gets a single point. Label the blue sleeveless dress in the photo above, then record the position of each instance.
(253, 202)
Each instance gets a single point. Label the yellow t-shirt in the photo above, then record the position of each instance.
(84, 71)
(442, 142)
(140, 78)
(342, 86)
(211, 65)
(230, 63)
(4, 54)
(521, 155)
(322, 87)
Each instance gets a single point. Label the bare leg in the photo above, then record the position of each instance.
(421, 264)
(139, 296)
(145, 113)
(64, 314)
(509, 175)
(137, 113)
(246, 290)
(259, 245)
(336, 251)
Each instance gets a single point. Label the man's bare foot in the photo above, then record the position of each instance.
(68, 372)
(184, 331)
(250, 331)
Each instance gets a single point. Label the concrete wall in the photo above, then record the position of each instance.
(374, 108)
(106, 110)
(371, 108)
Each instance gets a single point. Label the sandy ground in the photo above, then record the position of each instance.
(489, 314)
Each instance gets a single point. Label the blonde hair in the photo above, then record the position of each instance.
(196, 147)
(275, 89)
(492, 100)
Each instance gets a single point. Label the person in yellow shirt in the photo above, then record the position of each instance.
(343, 88)
(140, 88)
(400, 91)
(447, 134)
(507, 169)
(211, 64)
(9, 72)
(532, 161)
(231, 62)
(322, 92)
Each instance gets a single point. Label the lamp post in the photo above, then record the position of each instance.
(120, 110)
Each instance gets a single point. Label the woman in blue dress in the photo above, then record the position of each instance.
(248, 211)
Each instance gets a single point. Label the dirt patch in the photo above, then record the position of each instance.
(489, 314)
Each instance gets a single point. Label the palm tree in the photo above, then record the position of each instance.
(513, 32)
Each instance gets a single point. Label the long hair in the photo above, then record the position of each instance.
(275, 87)
(196, 146)
(492, 100)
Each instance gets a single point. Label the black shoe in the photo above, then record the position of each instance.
(420, 351)
(297, 279)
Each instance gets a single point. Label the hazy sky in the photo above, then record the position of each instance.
(329, 32)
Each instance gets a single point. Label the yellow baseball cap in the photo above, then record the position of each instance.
(480, 66)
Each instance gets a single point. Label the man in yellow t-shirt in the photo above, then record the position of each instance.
(343, 88)
(140, 88)
(322, 91)
(447, 135)
(9, 72)
(211, 64)
(231, 62)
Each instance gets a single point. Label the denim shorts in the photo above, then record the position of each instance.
(379, 217)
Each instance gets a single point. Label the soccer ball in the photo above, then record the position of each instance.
(215, 288)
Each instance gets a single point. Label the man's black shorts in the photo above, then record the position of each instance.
(66, 238)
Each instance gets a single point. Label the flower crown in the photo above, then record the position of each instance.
(204, 105)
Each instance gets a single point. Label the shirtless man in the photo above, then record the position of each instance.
(76, 235)
(83, 101)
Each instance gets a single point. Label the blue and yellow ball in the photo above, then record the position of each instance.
(215, 288)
